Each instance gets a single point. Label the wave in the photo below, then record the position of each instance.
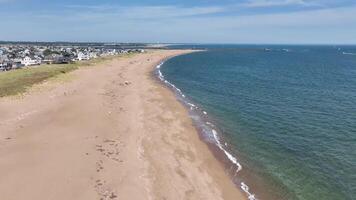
(348, 53)
(208, 129)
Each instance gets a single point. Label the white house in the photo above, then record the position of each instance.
(27, 61)
(82, 56)
(26, 51)
(93, 55)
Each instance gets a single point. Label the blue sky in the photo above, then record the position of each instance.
(184, 21)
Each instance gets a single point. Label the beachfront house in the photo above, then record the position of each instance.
(16, 64)
(83, 56)
(28, 61)
(93, 55)
(6, 66)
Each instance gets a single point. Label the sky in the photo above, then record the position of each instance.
(180, 21)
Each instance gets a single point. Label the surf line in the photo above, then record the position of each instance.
(214, 133)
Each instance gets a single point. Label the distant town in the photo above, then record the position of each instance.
(18, 55)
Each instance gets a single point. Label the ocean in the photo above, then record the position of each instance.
(283, 116)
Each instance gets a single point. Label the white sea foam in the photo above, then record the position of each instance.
(347, 53)
(159, 66)
(191, 105)
(210, 124)
(229, 156)
(244, 187)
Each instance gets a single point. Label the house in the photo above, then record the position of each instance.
(3, 57)
(17, 65)
(82, 56)
(62, 60)
(93, 55)
(28, 61)
(5, 66)
(49, 59)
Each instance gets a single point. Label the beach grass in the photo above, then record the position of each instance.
(19, 81)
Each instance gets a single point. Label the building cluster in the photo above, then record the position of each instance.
(15, 56)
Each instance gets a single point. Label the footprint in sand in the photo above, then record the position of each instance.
(110, 149)
(99, 166)
(104, 192)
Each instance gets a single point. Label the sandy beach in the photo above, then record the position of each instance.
(110, 131)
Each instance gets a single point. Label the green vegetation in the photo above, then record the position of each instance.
(18, 81)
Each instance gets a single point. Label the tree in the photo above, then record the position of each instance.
(47, 52)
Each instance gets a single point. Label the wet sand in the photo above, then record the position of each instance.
(108, 132)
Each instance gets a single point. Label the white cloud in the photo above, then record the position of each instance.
(145, 12)
(181, 24)
(336, 25)
(310, 18)
(168, 11)
(271, 3)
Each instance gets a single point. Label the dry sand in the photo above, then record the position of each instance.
(95, 137)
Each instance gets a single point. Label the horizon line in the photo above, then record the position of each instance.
(176, 43)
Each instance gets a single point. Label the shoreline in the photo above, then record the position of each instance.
(208, 132)
(112, 132)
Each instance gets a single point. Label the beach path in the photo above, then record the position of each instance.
(110, 131)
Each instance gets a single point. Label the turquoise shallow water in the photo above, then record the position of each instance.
(287, 113)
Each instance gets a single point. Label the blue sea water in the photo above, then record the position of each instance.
(287, 113)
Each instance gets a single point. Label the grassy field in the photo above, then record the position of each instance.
(18, 81)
